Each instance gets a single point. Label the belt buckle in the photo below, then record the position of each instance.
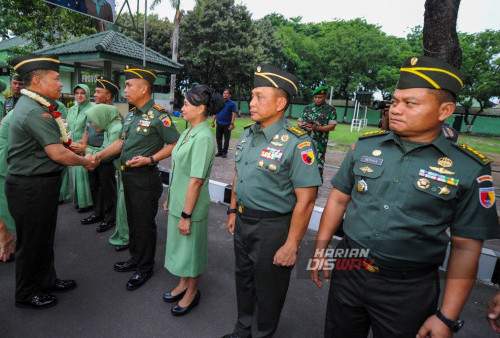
(122, 167)
(371, 268)
(240, 208)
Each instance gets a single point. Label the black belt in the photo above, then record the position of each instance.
(242, 210)
(124, 167)
(51, 174)
(396, 274)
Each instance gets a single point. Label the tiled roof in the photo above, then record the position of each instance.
(110, 42)
(16, 41)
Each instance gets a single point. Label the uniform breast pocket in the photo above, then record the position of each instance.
(431, 200)
(367, 179)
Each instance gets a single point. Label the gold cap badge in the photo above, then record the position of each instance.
(413, 61)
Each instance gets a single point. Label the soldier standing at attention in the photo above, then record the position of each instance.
(148, 137)
(274, 190)
(16, 84)
(401, 191)
(319, 118)
(36, 159)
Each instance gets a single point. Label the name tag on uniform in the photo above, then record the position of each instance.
(143, 123)
(372, 160)
(272, 154)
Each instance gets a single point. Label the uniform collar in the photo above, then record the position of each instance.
(145, 107)
(197, 128)
(441, 143)
(270, 131)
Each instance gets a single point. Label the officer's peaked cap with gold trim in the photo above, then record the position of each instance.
(323, 90)
(26, 63)
(270, 76)
(102, 82)
(428, 72)
(135, 72)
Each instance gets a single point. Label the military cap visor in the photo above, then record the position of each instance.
(27, 63)
(107, 84)
(323, 90)
(132, 72)
(269, 76)
(428, 72)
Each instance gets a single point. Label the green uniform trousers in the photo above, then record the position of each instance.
(261, 286)
(33, 202)
(143, 189)
(120, 236)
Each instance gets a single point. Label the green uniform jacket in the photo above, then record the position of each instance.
(271, 163)
(76, 115)
(402, 202)
(146, 130)
(5, 215)
(108, 118)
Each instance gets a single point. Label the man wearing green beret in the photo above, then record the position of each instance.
(16, 84)
(401, 191)
(274, 190)
(318, 119)
(148, 137)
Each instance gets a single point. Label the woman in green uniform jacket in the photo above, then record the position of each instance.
(189, 200)
(76, 124)
(107, 118)
(65, 192)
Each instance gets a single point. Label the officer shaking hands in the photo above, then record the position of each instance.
(148, 137)
(274, 190)
(401, 191)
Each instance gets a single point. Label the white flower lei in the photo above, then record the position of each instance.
(42, 101)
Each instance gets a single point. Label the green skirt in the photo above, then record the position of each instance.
(82, 196)
(120, 237)
(186, 256)
(4, 208)
(65, 192)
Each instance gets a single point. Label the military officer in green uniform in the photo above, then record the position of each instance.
(274, 190)
(16, 84)
(401, 191)
(318, 119)
(148, 136)
(36, 158)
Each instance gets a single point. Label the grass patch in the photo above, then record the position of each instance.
(341, 138)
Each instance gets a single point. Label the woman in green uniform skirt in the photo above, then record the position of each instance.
(189, 200)
(76, 124)
(4, 146)
(107, 118)
(65, 192)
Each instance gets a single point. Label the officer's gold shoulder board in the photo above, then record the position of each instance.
(248, 125)
(296, 131)
(473, 153)
(158, 107)
(373, 133)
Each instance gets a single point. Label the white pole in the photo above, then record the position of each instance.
(331, 95)
(145, 31)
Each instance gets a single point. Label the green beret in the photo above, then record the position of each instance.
(269, 76)
(3, 85)
(102, 82)
(323, 90)
(133, 72)
(428, 72)
(26, 63)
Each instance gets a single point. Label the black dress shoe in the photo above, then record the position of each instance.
(138, 280)
(121, 247)
(105, 226)
(63, 285)
(82, 210)
(91, 219)
(167, 297)
(232, 335)
(41, 301)
(181, 311)
(218, 154)
(129, 265)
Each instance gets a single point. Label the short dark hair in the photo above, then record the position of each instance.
(443, 95)
(204, 95)
(228, 90)
(28, 77)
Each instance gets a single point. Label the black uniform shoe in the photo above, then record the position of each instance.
(82, 210)
(91, 219)
(181, 311)
(218, 154)
(224, 155)
(232, 335)
(121, 247)
(63, 285)
(105, 226)
(129, 265)
(167, 297)
(138, 279)
(41, 301)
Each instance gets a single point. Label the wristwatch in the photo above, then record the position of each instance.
(453, 325)
(231, 211)
(152, 159)
(185, 215)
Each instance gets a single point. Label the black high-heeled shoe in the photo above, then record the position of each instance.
(167, 296)
(181, 311)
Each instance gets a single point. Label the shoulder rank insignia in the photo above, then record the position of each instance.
(296, 131)
(248, 125)
(158, 107)
(473, 153)
(373, 133)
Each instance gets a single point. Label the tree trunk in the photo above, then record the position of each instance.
(175, 50)
(440, 31)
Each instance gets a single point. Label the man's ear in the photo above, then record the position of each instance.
(446, 109)
(281, 103)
